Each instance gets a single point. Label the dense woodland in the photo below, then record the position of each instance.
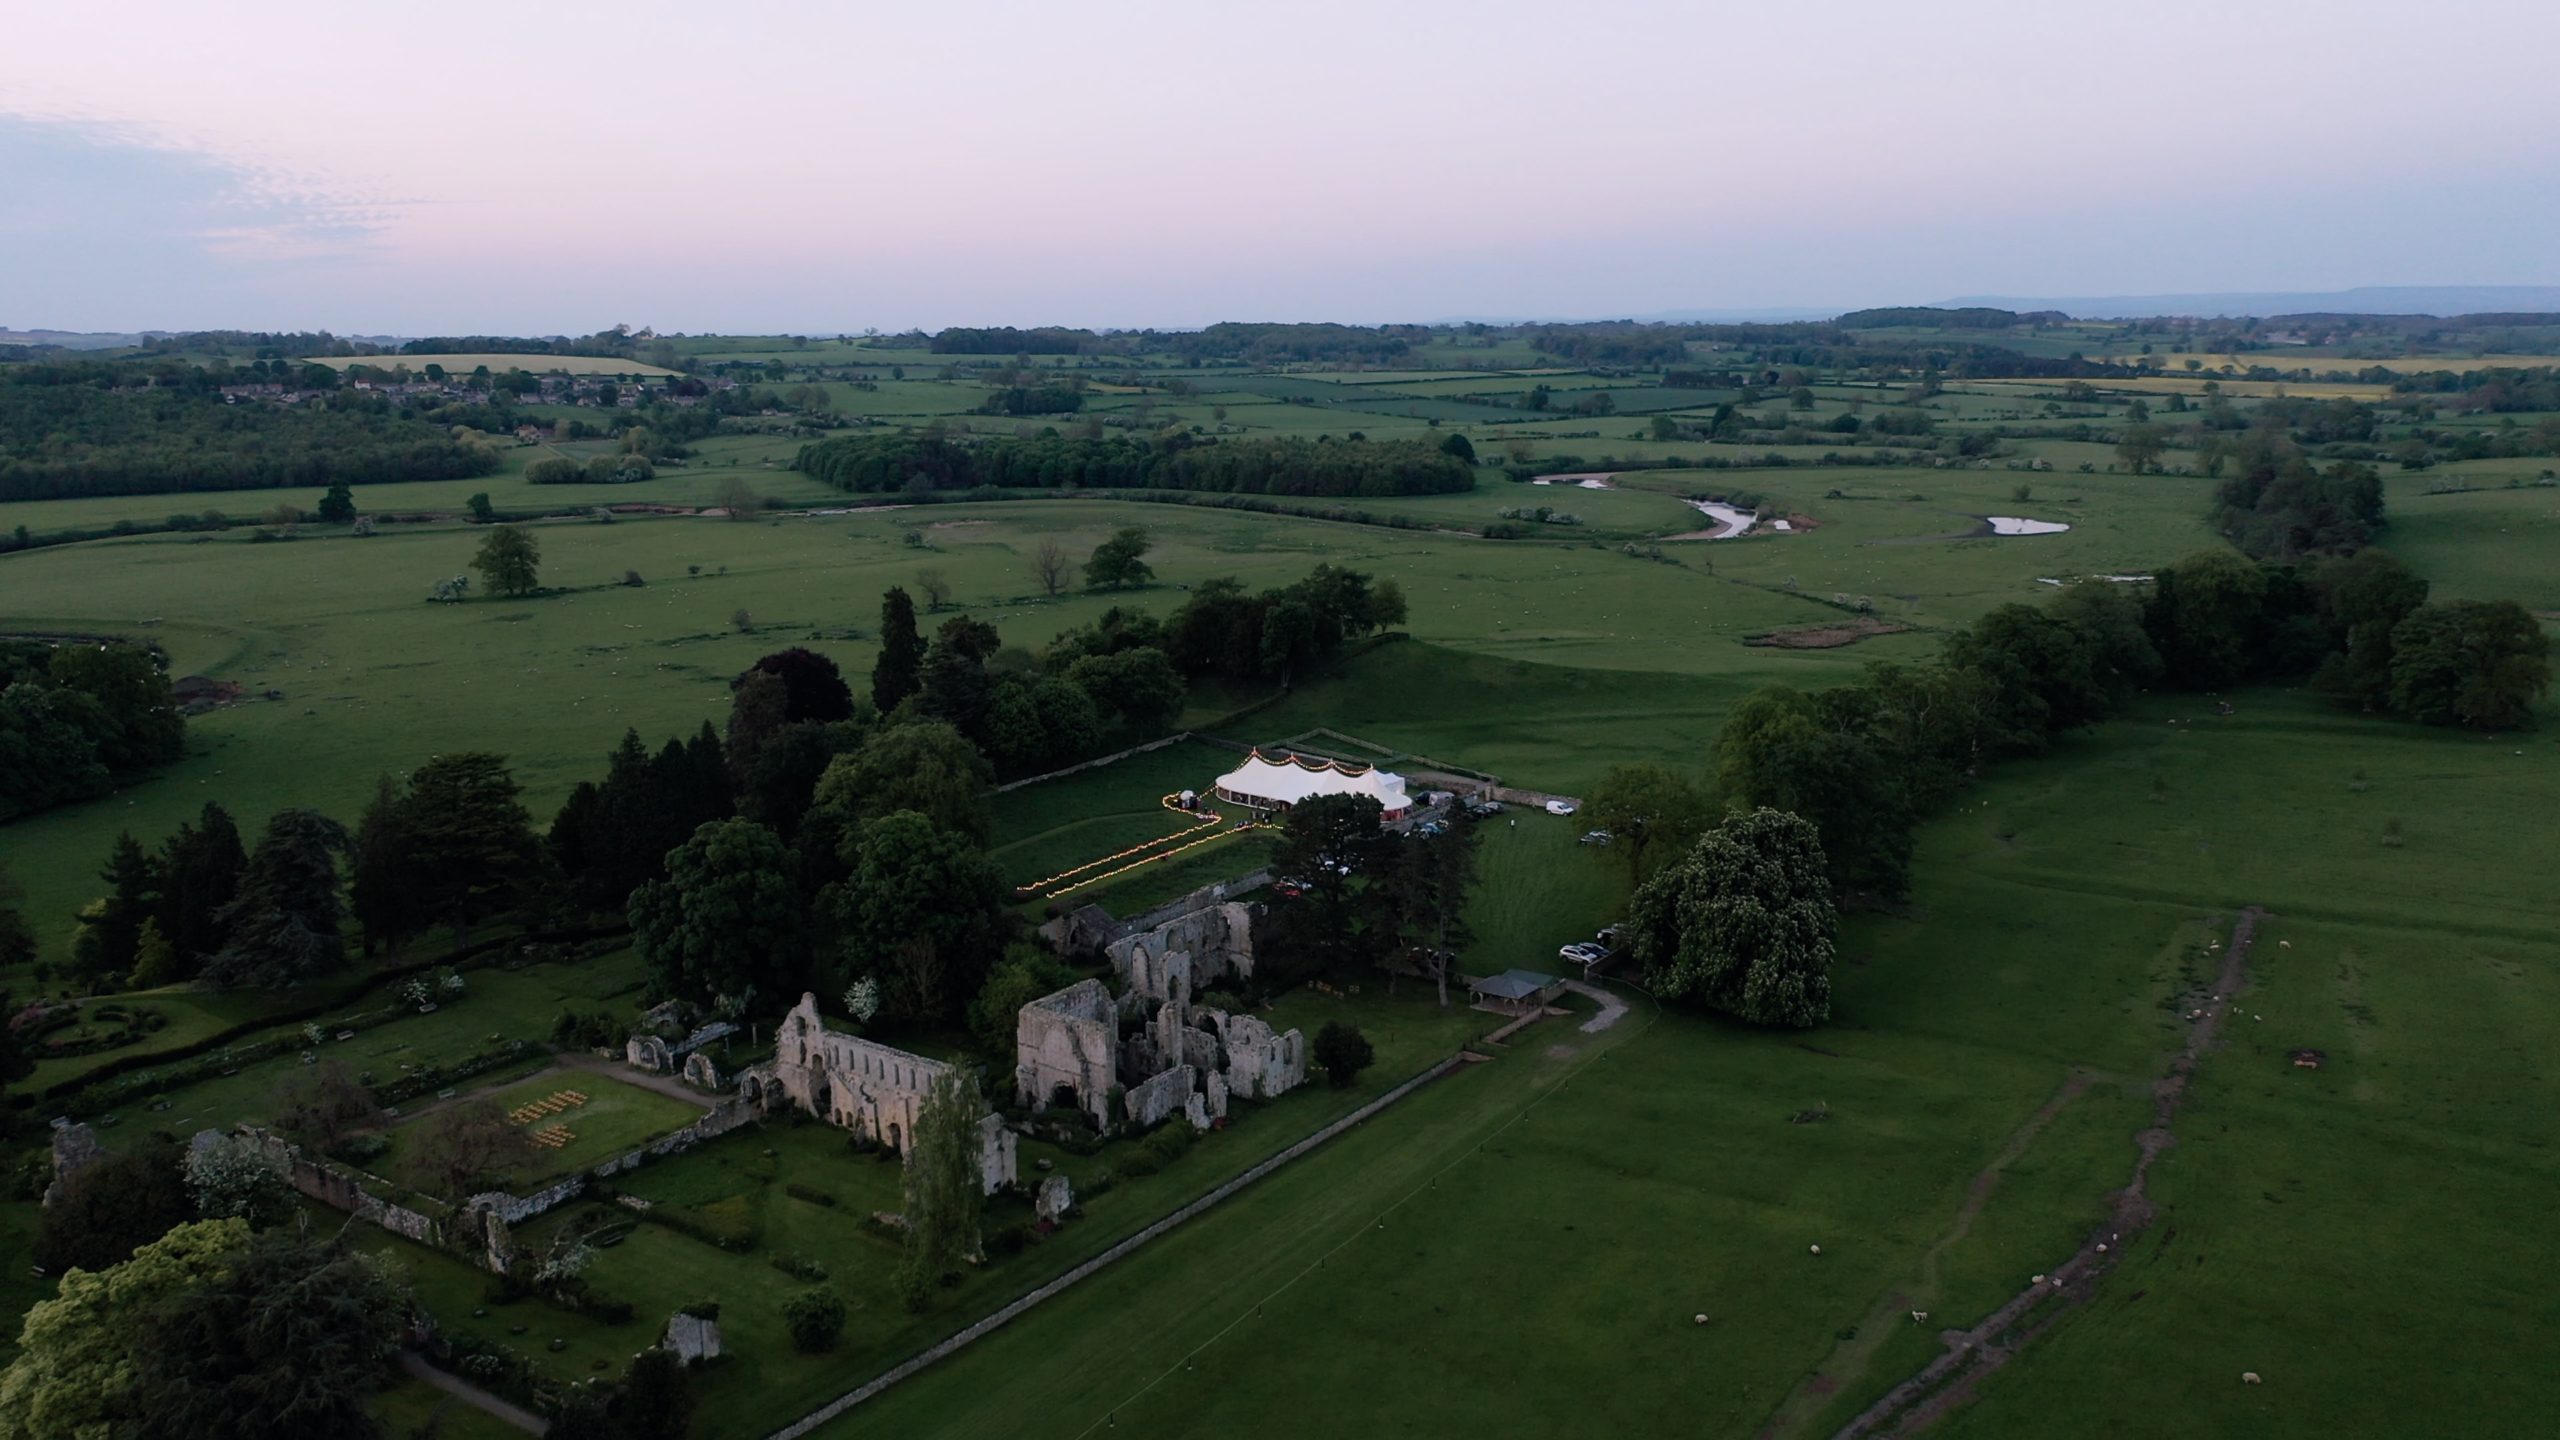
(931, 461)
(103, 429)
(79, 718)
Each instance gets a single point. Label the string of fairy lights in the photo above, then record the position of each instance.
(1148, 850)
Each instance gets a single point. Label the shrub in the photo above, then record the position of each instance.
(816, 1318)
(1343, 1052)
(1170, 1142)
(810, 1193)
(800, 1267)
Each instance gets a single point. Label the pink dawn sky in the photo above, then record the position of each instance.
(463, 167)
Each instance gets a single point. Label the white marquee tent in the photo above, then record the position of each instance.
(1279, 784)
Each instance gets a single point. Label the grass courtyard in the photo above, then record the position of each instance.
(568, 1134)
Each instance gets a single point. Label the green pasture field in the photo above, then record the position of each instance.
(374, 677)
(762, 459)
(2489, 544)
(1566, 1208)
(2325, 360)
(499, 364)
(1580, 1207)
(2194, 383)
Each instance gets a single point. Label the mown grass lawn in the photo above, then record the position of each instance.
(499, 1007)
(614, 1118)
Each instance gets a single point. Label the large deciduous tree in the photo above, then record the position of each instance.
(75, 1370)
(726, 917)
(142, 727)
(2205, 614)
(1119, 562)
(1650, 811)
(921, 910)
(925, 766)
(1743, 924)
(509, 561)
(107, 1208)
(464, 1148)
(1816, 756)
(2470, 662)
(1138, 689)
(1332, 845)
(2362, 599)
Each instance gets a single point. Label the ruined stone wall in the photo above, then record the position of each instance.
(1260, 1063)
(342, 1189)
(868, 1088)
(1163, 1096)
(997, 1167)
(1189, 952)
(1069, 1038)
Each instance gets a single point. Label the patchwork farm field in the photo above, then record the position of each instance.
(1523, 1247)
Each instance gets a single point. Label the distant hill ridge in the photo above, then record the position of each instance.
(2435, 300)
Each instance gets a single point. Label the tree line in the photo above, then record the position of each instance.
(1864, 763)
(98, 429)
(929, 460)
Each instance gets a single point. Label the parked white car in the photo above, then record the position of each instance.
(1584, 954)
(1561, 807)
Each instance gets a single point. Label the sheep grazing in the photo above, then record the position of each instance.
(1919, 1317)
(1699, 1319)
(2102, 1247)
(2248, 1377)
(2035, 1279)
(1816, 1249)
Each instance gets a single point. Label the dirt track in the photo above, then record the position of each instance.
(1952, 1379)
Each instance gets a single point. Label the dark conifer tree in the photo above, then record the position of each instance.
(284, 924)
(199, 874)
(899, 672)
